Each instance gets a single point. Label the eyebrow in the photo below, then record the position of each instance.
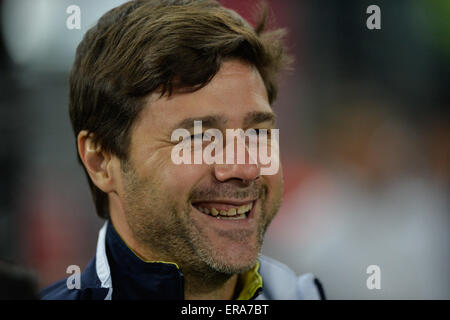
(256, 117)
(218, 121)
(207, 121)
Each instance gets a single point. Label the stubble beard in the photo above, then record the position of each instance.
(174, 237)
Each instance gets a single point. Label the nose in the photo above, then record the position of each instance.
(246, 172)
(243, 172)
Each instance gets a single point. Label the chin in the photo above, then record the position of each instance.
(231, 267)
(233, 259)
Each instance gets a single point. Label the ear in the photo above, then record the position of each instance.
(99, 164)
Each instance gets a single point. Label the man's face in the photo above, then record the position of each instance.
(164, 202)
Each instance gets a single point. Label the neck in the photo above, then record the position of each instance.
(214, 286)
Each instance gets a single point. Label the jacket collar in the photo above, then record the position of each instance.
(133, 278)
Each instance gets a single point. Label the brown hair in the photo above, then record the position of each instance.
(165, 46)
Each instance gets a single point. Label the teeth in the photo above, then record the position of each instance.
(214, 212)
(233, 213)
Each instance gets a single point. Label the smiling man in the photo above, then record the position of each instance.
(177, 231)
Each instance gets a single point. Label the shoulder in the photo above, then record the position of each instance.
(59, 291)
(90, 287)
(282, 283)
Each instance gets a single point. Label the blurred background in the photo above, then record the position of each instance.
(365, 141)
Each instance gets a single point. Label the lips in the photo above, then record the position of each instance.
(225, 210)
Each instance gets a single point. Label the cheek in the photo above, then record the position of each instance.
(179, 180)
(173, 181)
(275, 180)
(275, 186)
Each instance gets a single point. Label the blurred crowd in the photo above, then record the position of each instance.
(364, 133)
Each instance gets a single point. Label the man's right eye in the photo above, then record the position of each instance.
(259, 131)
(197, 136)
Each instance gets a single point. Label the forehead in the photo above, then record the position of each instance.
(236, 91)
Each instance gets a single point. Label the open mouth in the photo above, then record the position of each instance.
(226, 211)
